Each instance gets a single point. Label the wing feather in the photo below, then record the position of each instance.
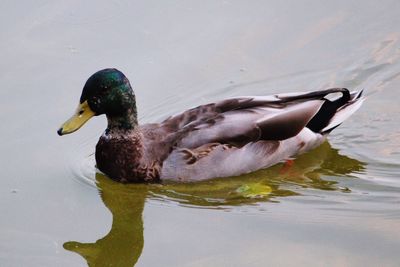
(248, 119)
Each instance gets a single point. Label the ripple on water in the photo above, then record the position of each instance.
(81, 163)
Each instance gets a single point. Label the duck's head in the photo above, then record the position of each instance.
(107, 92)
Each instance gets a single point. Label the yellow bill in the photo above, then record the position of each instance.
(83, 114)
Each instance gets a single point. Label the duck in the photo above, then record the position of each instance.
(225, 138)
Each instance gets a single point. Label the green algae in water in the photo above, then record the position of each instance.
(254, 190)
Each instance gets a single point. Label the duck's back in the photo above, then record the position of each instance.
(244, 134)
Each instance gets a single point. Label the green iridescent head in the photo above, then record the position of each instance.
(107, 92)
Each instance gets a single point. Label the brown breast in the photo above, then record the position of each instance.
(121, 158)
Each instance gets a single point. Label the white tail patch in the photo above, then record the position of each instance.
(343, 114)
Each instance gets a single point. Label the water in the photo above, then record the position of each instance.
(335, 206)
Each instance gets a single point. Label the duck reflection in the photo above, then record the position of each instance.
(123, 245)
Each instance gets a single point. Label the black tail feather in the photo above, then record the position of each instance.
(328, 110)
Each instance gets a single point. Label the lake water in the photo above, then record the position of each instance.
(338, 205)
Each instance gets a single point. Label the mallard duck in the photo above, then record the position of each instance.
(226, 138)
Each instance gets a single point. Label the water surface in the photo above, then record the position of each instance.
(335, 206)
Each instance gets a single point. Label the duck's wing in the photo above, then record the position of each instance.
(241, 120)
(241, 135)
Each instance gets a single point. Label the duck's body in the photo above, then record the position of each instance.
(226, 138)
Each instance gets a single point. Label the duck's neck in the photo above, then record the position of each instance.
(122, 123)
